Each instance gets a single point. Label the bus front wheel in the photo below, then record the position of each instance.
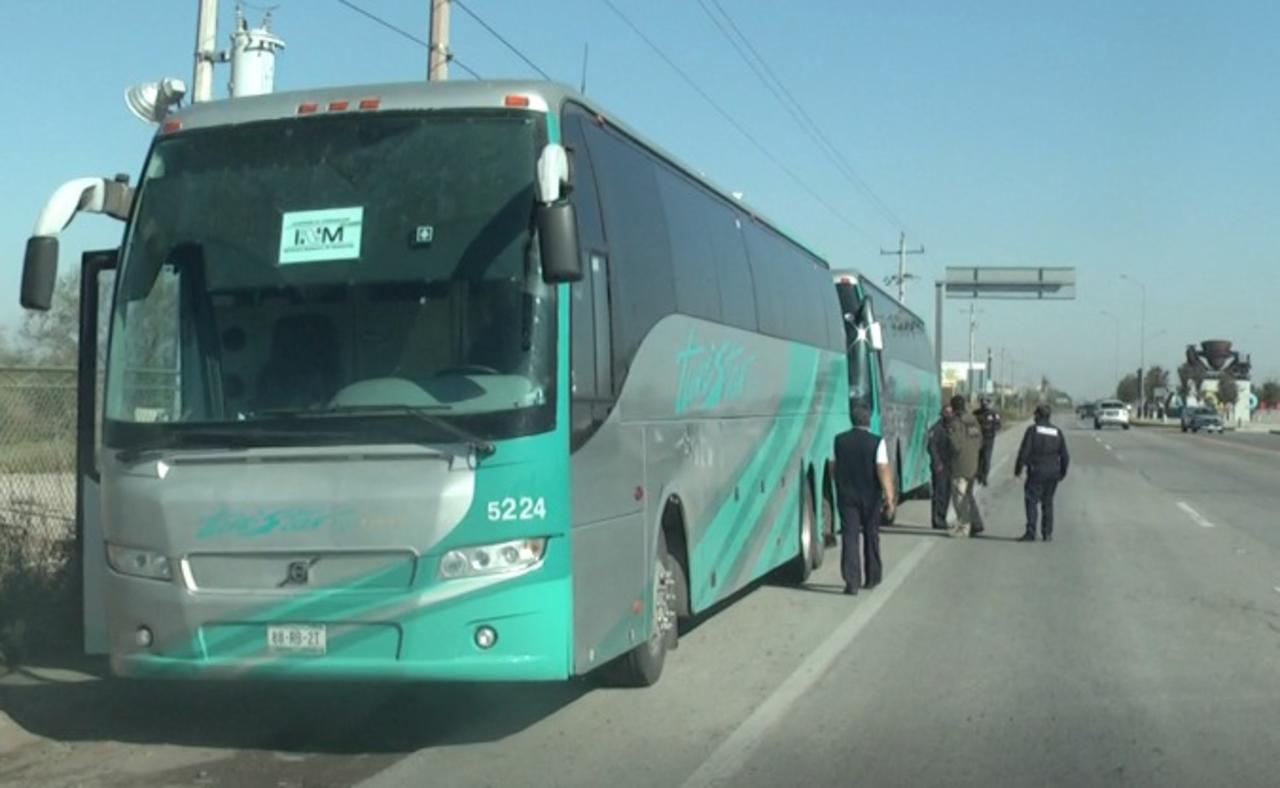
(642, 665)
(800, 567)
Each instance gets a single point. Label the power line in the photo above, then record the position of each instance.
(404, 33)
(734, 122)
(504, 41)
(839, 159)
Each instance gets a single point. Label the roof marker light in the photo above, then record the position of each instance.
(307, 107)
(171, 126)
(514, 100)
(339, 106)
(370, 103)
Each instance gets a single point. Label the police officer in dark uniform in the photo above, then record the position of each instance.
(940, 466)
(989, 420)
(1044, 454)
(864, 487)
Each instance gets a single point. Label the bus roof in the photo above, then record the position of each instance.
(456, 94)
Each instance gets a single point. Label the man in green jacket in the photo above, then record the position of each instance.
(966, 446)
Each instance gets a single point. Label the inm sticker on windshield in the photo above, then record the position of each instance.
(321, 236)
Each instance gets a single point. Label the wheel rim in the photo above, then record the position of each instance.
(806, 528)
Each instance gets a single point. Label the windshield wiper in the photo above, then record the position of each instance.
(214, 436)
(482, 448)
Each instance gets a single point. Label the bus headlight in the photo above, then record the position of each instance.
(139, 563)
(492, 559)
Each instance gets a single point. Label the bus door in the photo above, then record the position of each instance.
(97, 270)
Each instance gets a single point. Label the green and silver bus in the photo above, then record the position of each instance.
(436, 381)
(894, 373)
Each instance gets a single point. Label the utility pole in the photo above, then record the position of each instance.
(972, 328)
(206, 49)
(1142, 344)
(989, 378)
(1000, 381)
(902, 277)
(438, 53)
(939, 289)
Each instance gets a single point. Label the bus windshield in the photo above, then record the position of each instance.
(355, 263)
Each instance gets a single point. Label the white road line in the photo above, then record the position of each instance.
(725, 761)
(1195, 516)
(1107, 446)
(1276, 589)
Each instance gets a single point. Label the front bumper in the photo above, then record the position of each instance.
(420, 634)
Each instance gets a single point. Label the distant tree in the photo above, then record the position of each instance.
(1228, 389)
(10, 353)
(50, 338)
(1269, 394)
(1189, 379)
(1157, 378)
(1127, 388)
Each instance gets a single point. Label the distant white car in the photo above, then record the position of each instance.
(1111, 413)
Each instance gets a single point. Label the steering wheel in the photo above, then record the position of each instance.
(469, 369)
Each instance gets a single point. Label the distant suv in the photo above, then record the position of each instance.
(1111, 412)
(1201, 418)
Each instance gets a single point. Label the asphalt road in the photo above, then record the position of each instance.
(1140, 647)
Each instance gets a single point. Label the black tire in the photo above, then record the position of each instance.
(828, 521)
(830, 536)
(797, 571)
(1126, 426)
(885, 517)
(642, 665)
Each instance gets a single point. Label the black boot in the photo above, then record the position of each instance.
(1029, 536)
(1047, 536)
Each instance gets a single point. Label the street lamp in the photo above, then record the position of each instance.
(1142, 349)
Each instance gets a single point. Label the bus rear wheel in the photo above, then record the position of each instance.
(642, 665)
(886, 518)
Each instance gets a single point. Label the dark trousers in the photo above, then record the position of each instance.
(941, 498)
(984, 461)
(1039, 495)
(860, 517)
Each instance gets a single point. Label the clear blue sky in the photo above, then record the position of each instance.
(1137, 137)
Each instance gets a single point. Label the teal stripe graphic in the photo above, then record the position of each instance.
(783, 510)
(734, 523)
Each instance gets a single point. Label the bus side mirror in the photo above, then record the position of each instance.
(876, 334)
(39, 272)
(558, 243)
(556, 219)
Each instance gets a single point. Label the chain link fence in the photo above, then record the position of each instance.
(37, 507)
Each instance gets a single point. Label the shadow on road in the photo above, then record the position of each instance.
(339, 718)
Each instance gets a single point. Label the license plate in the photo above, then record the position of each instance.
(297, 639)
